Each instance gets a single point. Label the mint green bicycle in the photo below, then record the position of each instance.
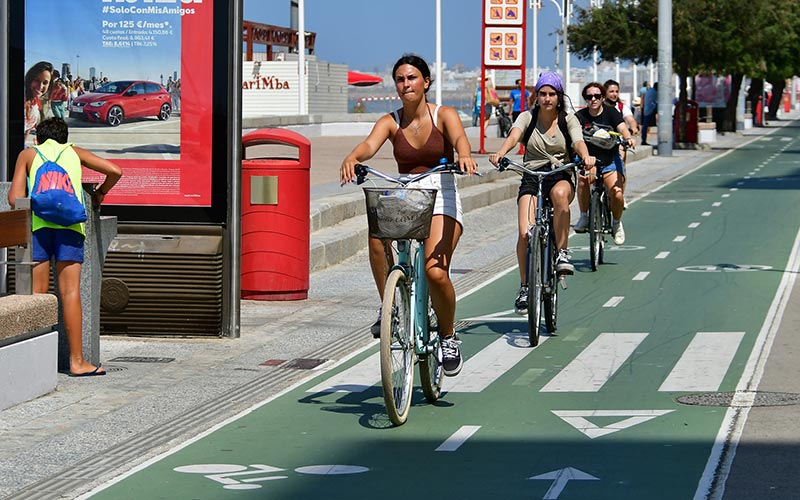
(401, 216)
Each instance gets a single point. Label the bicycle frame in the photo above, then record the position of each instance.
(410, 260)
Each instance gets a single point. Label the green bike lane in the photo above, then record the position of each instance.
(590, 413)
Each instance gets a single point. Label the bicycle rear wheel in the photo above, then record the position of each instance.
(431, 372)
(535, 285)
(550, 298)
(595, 229)
(606, 225)
(397, 347)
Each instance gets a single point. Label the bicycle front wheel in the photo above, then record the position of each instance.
(397, 347)
(431, 372)
(535, 285)
(551, 296)
(595, 230)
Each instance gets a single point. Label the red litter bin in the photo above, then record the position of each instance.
(275, 216)
(691, 121)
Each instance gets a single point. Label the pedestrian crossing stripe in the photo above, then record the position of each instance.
(578, 420)
(596, 364)
(701, 367)
(704, 363)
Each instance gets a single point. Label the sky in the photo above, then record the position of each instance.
(369, 35)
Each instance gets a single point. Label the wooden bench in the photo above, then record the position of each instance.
(16, 233)
(28, 336)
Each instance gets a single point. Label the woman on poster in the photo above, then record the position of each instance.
(37, 81)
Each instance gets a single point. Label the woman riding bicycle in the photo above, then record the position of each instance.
(612, 167)
(421, 135)
(547, 147)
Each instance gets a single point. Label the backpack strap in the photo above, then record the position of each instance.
(562, 125)
(44, 158)
(41, 155)
(532, 125)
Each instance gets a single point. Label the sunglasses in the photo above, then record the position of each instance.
(591, 97)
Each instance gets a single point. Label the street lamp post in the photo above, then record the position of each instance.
(536, 5)
(78, 65)
(565, 14)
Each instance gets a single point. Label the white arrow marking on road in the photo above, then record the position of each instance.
(560, 479)
(576, 418)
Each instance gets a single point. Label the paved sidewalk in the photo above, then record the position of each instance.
(91, 430)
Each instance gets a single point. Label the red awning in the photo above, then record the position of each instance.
(362, 79)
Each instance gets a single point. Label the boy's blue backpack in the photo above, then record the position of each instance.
(53, 197)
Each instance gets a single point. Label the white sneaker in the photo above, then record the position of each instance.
(563, 265)
(582, 225)
(618, 232)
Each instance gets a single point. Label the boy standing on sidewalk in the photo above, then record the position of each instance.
(65, 243)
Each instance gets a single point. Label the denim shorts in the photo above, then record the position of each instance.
(616, 166)
(65, 245)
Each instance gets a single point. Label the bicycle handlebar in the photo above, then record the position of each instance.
(506, 163)
(363, 170)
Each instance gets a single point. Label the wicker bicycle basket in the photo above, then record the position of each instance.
(399, 213)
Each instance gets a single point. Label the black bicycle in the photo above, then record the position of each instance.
(600, 223)
(541, 255)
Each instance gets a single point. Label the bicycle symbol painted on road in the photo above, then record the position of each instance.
(242, 477)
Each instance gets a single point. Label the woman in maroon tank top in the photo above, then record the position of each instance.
(421, 135)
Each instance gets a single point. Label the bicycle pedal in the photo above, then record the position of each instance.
(562, 282)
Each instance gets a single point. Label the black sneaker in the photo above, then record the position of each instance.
(521, 302)
(375, 329)
(563, 265)
(451, 356)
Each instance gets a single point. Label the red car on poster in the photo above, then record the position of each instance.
(117, 101)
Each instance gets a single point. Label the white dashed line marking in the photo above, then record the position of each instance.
(458, 438)
(694, 225)
(662, 255)
(680, 238)
(641, 276)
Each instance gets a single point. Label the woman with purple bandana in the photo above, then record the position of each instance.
(555, 137)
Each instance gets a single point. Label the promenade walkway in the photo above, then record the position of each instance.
(90, 431)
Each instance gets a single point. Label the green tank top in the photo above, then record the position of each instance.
(71, 163)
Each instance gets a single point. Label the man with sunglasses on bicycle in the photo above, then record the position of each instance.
(596, 119)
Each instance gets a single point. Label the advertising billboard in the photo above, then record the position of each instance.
(134, 79)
